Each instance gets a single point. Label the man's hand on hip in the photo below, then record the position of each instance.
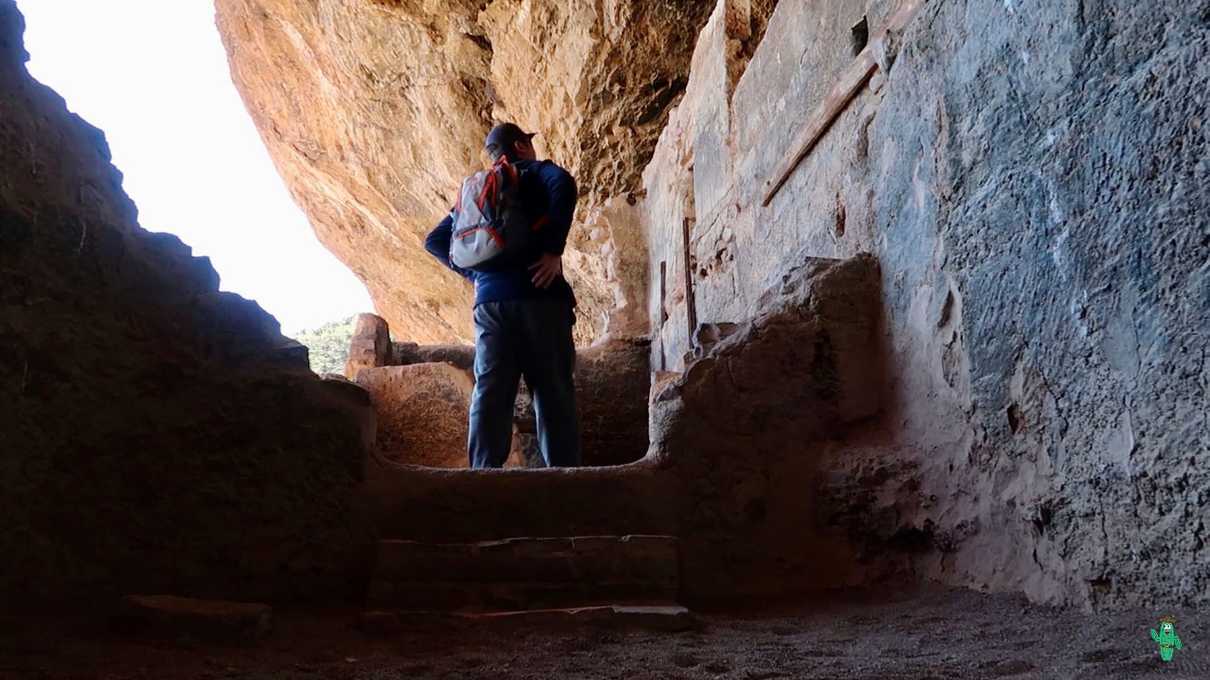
(548, 268)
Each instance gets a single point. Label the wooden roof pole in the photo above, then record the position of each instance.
(852, 80)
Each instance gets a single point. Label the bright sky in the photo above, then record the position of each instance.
(153, 75)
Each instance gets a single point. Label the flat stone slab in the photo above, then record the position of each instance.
(470, 596)
(378, 623)
(208, 619)
(661, 617)
(635, 558)
(526, 573)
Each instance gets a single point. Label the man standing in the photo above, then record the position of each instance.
(524, 312)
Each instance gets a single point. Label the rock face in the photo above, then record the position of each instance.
(375, 110)
(157, 434)
(422, 412)
(1033, 179)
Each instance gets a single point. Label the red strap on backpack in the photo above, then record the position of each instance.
(491, 185)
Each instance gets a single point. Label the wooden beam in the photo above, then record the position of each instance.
(663, 312)
(690, 301)
(852, 81)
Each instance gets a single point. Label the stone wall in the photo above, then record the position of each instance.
(156, 435)
(1032, 176)
(747, 427)
(422, 411)
(738, 442)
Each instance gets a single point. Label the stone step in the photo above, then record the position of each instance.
(633, 558)
(455, 506)
(203, 619)
(467, 596)
(660, 617)
(526, 573)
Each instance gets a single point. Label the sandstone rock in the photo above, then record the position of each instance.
(205, 619)
(611, 388)
(588, 559)
(705, 337)
(422, 413)
(373, 112)
(158, 434)
(370, 345)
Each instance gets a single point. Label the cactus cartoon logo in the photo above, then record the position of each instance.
(1166, 638)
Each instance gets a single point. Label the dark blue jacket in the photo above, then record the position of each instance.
(546, 189)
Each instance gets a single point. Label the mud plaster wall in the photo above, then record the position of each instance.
(1033, 178)
(156, 435)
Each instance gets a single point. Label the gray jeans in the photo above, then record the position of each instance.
(530, 338)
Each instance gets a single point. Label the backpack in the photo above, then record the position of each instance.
(491, 226)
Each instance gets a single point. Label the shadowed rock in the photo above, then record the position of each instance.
(156, 434)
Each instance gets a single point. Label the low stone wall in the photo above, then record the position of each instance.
(612, 385)
(736, 449)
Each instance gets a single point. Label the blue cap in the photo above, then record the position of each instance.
(503, 136)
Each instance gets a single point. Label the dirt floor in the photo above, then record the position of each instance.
(927, 634)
